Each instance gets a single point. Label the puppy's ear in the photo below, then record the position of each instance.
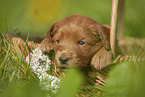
(46, 45)
(50, 33)
(101, 59)
(104, 56)
(104, 34)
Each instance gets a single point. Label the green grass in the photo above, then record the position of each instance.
(15, 74)
(18, 80)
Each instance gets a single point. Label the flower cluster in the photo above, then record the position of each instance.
(40, 64)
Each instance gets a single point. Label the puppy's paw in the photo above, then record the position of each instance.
(46, 45)
(101, 59)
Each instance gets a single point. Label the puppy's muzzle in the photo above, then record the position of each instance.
(63, 60)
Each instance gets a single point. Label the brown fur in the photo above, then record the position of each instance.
(70, 31)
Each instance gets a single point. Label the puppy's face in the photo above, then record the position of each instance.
(75, 40)
(74, 45)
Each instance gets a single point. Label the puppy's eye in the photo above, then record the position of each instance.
(81, 43)
(57, 41)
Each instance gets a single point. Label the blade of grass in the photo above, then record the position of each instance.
(4, 61)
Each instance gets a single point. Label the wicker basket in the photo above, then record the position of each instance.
(97, 77)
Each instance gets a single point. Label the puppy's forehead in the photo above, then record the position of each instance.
(71, 28)
(70, 31)
(77, 27)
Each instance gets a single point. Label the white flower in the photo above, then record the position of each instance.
(40, 64)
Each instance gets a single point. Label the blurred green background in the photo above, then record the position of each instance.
(36, 16)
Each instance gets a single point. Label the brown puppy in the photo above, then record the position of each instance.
(78, 41)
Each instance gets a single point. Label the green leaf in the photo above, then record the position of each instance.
(70, 84)
(126, 80)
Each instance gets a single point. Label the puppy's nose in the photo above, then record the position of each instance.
(63, 60)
